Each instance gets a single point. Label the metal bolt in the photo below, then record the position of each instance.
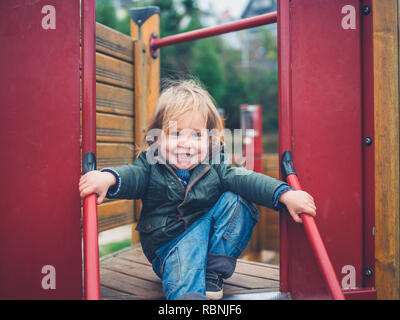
(369, 272)
(153, 52)
(368, 141)
(366, 10)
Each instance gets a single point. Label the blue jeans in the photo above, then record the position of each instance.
(214, 242)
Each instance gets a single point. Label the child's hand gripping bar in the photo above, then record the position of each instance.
(312, 232)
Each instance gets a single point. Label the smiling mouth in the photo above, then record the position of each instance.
(183, 155)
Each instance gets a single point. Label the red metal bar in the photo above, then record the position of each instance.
(91, 248)
(318, 248)
(214, 31)
(285, 126)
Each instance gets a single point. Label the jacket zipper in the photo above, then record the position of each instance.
(202, 173)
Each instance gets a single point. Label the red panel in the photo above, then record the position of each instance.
(321, 110)
(40, 163)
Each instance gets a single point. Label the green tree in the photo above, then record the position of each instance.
(209, 60)
(207, 67)
(106, 14)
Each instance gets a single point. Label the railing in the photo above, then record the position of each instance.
(313, 234)
(247, 23)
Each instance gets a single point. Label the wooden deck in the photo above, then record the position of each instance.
(127, 275)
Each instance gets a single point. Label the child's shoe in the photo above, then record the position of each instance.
(214, 284)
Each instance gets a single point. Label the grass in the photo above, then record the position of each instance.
(111, 247)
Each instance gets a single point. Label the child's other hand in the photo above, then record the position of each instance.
(96, 182)
(298, 202)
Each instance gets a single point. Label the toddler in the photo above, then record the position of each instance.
(197, 210)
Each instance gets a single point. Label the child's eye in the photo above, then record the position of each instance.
(174, 133)
(196, 134)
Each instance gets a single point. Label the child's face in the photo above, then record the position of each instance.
(185, 144)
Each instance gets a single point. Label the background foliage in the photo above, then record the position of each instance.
(212, 61)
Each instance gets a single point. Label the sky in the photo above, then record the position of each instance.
(235, 7)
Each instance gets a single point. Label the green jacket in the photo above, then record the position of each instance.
(168, 209)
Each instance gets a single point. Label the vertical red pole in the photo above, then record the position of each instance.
(285, 125)
(91, 248)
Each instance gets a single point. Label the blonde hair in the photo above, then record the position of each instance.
(177, 98)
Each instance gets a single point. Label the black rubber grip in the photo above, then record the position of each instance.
(287, 164)
(89, 162)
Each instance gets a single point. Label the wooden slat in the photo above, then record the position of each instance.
(114, 154)
(114, 43)
(113, 99)
(386, 118)
(142, 289)
(115, 213)
(129, 267)
(113, 71)
(128, 275)
(111, 294)
(134, 254)
(112, 128)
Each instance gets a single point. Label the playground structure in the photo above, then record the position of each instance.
(339, 117)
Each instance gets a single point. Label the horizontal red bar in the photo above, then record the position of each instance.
(247, 23)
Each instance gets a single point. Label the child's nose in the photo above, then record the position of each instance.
(184, 141)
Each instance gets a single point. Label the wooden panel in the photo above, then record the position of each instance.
(387, 189)
(113, 154)
(112, 128)
(114, 99)
(115, 213)
(114, 116)
(114, 43)
(113, 71)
